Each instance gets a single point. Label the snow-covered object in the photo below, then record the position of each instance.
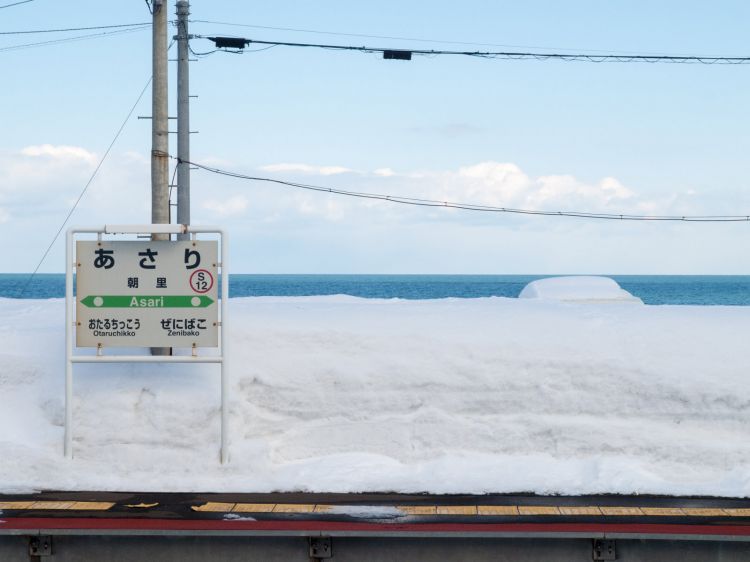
(343, 394)
(578, 288)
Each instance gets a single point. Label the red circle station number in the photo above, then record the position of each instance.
(201, 281)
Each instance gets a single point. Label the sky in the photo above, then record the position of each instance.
(642, 138)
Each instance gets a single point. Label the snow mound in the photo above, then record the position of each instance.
(578, 288)
(449, 396)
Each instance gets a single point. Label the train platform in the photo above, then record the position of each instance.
(323, 520)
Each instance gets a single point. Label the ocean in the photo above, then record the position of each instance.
(704, 290)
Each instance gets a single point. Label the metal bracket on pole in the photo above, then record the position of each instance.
(70, 323)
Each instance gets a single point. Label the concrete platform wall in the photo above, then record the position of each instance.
(72, 548)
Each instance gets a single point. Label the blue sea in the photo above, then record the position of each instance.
(652, 289)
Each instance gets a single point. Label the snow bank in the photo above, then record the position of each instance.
(578, 288)
(449, 396)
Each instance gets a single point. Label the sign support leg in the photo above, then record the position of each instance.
(69, 332)
(68, 410)
(224, 416)
(223, 342)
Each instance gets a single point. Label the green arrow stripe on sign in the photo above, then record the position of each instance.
(146, 301)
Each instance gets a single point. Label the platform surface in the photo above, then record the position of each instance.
(306, 514)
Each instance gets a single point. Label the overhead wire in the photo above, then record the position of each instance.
(65, 29)
(72, 39)
(512, 55)
(88, 183)
(171, 185)
(419, 40)
(257, 50)
(85, 188)
(204, 54)
(422, 202)
(16, 4)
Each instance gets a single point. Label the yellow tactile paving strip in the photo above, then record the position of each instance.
(418, 509)
(56, 506)
(632, 511)
(51, 505)
(663, 511)
(488, 510)
(253, 507)
(497, 510)
(538, 510)
(413, 510)
(214, 507)
(582, 510)
(92, 506)
(15, 505)
(703, 511)
(737, 512)
(456, 510)
(294, 508)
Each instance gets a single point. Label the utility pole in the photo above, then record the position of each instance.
(159, 122)
(183, 116)
(159, 131)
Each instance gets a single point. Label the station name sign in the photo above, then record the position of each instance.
(147, 293)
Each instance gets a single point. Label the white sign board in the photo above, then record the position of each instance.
(147, 293)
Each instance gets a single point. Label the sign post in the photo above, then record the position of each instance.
(133, 293)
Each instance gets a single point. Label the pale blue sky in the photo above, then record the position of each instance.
(673, 138)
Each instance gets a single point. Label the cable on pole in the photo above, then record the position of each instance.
(472, 206)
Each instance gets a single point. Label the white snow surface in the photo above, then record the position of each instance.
(578, 288)
(342, 394)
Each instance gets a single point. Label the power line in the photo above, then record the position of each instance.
(406, 54)
(88, 183)
(364, 35)
(16, 4)
(72, 39)
(73, 29)
(475, 207)
(205, 53)
(422, 40)
(85, 188)
(232, 52)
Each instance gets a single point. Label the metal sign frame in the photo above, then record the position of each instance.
(70, 322)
